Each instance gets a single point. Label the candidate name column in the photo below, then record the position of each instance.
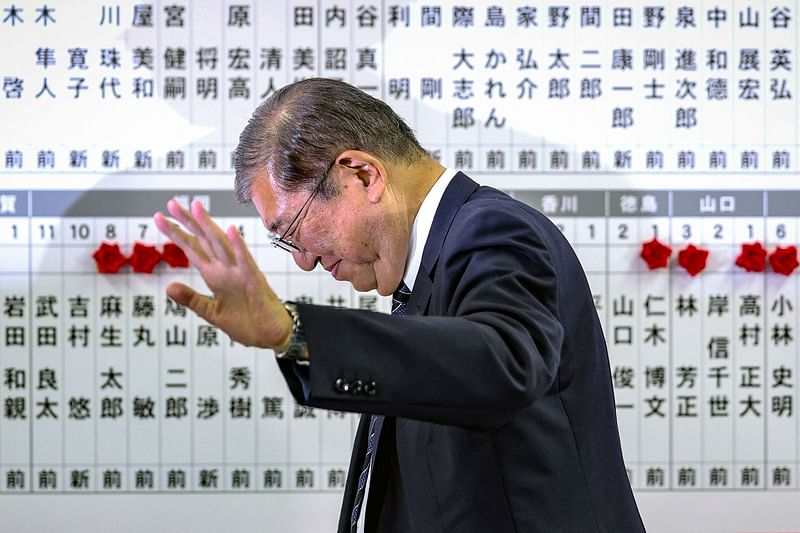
(240, 398)
(688, 321)
(15, 388)
(748, 61)
(174, 40)
(366, 47)
(780, 86)
(274, 400)
(750, 348)
(494, 81)
(781, 306)
(177, 404)
(127, 218)
(149, 69)
(271, 55)
(46, 339)
(401, 85)
(207, 378)
(112, 307)
(206, 88)
(241, 62)
(238, 63)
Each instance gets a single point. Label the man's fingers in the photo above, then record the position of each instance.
(185, 217)
(180, 293)
(187, 296)
(187, 243)
(240, 251)
(214, 234)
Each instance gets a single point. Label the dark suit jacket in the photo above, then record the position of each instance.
(496, 390)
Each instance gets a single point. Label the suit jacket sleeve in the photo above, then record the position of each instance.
(488, 346)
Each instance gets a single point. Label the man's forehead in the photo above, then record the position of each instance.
(272, 203)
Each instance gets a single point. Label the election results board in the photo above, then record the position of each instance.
(661, 137)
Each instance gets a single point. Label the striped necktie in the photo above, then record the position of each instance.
(399, 301)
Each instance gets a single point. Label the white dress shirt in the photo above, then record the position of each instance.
(422, 226)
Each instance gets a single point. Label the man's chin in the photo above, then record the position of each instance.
(385, 292)
(362, 286)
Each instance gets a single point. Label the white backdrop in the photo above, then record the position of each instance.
(623, 122)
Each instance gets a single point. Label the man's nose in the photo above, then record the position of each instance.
(305, 260)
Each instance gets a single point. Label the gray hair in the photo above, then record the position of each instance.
(300, 129)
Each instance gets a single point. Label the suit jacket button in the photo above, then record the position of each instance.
(358, 387)
(371, 388)
(341, 385)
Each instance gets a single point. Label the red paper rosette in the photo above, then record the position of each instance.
(144, 258)
(109, 258)
(655, 254)
(174, 256)
(693, 259)
(753, 257)
(784, 260)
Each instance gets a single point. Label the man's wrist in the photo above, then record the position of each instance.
(295, 347)
(284, 345)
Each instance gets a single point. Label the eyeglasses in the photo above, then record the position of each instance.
(281, 241)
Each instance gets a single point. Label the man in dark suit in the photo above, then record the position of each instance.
(490, 402)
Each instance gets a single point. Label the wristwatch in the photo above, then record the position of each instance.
(298, 349)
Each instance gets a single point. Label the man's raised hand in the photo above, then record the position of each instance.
(242, 303)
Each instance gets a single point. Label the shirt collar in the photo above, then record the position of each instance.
(422, 226)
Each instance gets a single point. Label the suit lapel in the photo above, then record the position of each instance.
(457, 192)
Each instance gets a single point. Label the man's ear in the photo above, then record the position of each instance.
(366, 170)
